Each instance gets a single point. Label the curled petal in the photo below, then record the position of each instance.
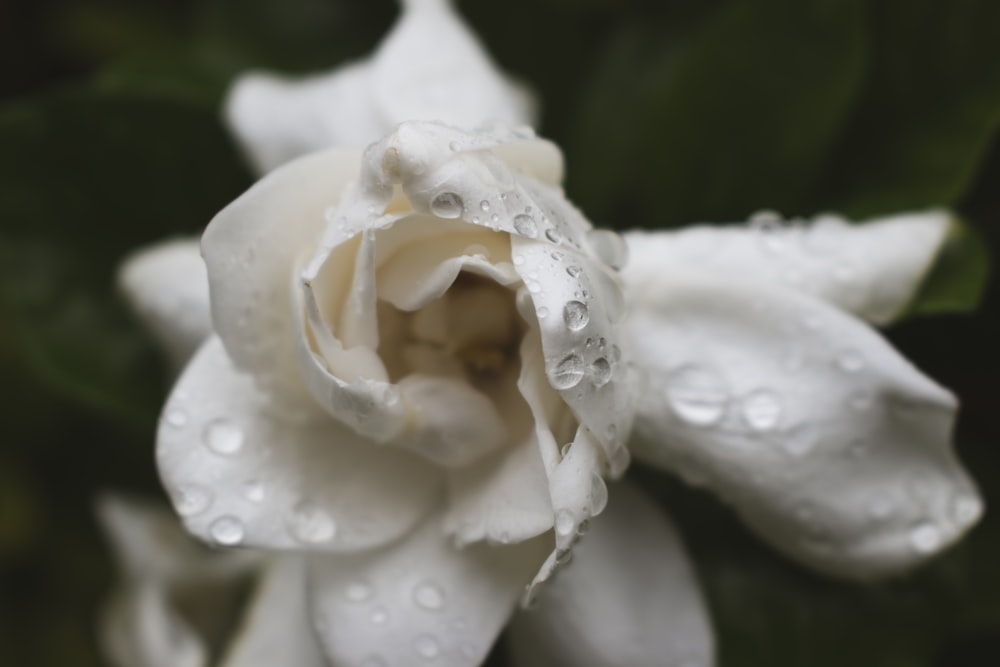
(827, 442)
(167, 287)
(629, 597)
(872, 270)
(242, 471)
(420, 599)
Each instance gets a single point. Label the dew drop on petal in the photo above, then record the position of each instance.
(598, 494)
(176, 417)
(254, 491)
(574, 271)
(697, 394)
(191, 499)
(427, 647)
(576, 315)
(311, 525)
(925, 538)
(762, 410)
(227, 530)
(850, 361)
(525, 224)
(553, 235)
(428, 595)
(568, 372)
(600, 371)
(542, 312)
(484, 206)
(565, 525)
(223, 437)
(619, 461)
(447, 205)
(358, 591)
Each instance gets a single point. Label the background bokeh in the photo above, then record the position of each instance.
(669, 111)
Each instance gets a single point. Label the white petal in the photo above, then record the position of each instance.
(252, 249)
(277, 120)
(629, 597)
(277, 629)
(872, 270)
(167, 286)
(244, 471)
(140, 629)
(827, 442)
(418, 600)
(431, 67)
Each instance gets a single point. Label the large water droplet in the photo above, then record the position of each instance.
(312, 525)
(223, 437)
(576, 315)
(609, 247)
(568, 372)
(428, 595)
(525, 224)
(600, 371)
(697, 394)
(574, 271)
(191, 499)
(447, 205)
(358, 591)
(227, 530)
(925, 537)
(762, 409)
(598, 494)
(553, 235)
(426, 647)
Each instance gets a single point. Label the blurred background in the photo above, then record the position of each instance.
(669, 112)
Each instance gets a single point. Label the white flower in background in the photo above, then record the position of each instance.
(406, 341)
(429, 67)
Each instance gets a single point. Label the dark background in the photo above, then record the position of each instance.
(669, 111)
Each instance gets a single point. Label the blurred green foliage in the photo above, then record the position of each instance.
(669, 111)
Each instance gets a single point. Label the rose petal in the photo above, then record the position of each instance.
(277, 629)
(140, 628)
(872, 270)
(243, 470)
(418, 600)
(167, 286)
(629, 597)
(251, 250)
(826, 441)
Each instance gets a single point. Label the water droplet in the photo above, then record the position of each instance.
(609, 247)
(227, 530)
(565, 525)
(564, 450)
(576, 315)
(176, 417)
(518, 260)
(429, 595)
(618, 462)
(359, 591)
(568, 372)
(191, 499)
(484, 206)
(426, 647)
(598, 494)
(880, 508)
(925, 537)
(525, 224)
(223, 437)
(762, 409)
(967, 509)
(574, 271)
(697, 394)
(447, 205)
(454, 146)
(600, 371)
(254, 491)
(379, 615)
(850, 361)
(553, 235)
(312, 525)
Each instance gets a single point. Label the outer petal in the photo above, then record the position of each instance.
(167, 286)
(242, 472)
(871, 269)
(826, 441)
(277, 629)
(252, 249)
(140, 629)
(419, 600)
(629, 597)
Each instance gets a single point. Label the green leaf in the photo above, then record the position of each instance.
(732, 117)
(84, 179)
(931, 105)
(958, 279)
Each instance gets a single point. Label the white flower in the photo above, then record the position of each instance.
(429, 67)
